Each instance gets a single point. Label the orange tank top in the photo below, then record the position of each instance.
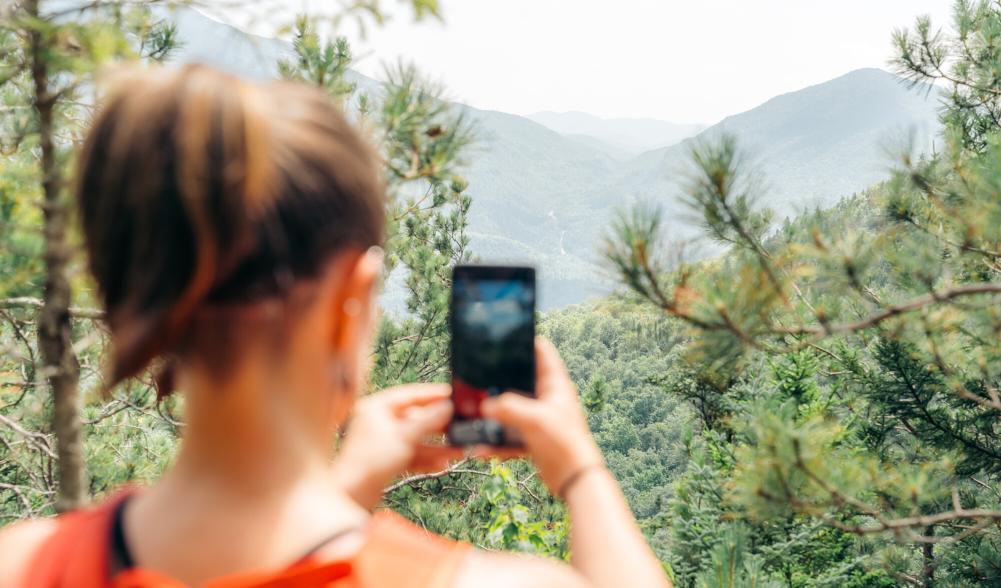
(396, 553)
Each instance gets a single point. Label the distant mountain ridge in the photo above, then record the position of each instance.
(206, 40)
(626, 136)
(820, 143)
(548, 198)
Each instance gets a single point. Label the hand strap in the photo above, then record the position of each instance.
(575, 477)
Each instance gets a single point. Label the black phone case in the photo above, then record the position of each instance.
(464, 431)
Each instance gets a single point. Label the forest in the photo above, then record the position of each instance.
(817, 405)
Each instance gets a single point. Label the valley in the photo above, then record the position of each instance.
(547, 198)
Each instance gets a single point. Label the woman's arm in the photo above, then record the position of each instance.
(607, 546)
(388, 433)
(18, 544)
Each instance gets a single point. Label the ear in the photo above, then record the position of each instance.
(353, 299)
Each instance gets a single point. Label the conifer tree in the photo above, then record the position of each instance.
(423, 140)
(47, 62)
(879, 320)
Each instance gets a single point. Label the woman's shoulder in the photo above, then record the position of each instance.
(396, 547)
(18, 543)
(38, 551)
(444, 562)
(24, 535)
(494, 569)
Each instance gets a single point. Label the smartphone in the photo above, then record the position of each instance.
(492, 349)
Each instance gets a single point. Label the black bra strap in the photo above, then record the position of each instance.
(327, 541)
(121, 556)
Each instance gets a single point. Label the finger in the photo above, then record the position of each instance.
(420, 421)
(401, 397)
(512, 409)
(550, 371)
(502, 453)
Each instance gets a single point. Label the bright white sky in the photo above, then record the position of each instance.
(677, 60)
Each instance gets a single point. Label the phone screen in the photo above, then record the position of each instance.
(493, 346)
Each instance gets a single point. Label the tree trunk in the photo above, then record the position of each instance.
(928, 556)
(59, 364)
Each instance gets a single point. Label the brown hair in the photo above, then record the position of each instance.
(197, 188)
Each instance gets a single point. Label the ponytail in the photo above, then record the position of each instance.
(196, 188)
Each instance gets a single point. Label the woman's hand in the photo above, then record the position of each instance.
(388, 434)
(553, 425)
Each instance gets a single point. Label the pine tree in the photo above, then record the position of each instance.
(879, 319)
(48, 60)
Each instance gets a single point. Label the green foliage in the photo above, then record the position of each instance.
(131, 437)
(695, 518)
(324, 64)
(966, 62)
(878, 323)
(513, 526)
(636, 425)
(816, 407)
(48, 64)
(725, 196)
(732, 567)
(21, 262)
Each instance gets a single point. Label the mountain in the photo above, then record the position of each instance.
(548, 197)
(812, 146)
(520, 172)
(522, 177)
(202, 39)
(809, 148)
(616, 152)
(626, 136)
(205, 40)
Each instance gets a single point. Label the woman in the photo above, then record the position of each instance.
(233, 231)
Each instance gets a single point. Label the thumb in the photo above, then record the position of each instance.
(419, 422)
(511, 408)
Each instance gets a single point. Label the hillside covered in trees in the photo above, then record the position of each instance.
(546, 197)
(815, 405)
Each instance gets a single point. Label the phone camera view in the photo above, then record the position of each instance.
(493, 332)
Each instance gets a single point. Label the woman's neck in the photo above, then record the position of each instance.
(248, 435)
(251, 488)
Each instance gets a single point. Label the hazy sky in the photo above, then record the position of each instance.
(684, 61)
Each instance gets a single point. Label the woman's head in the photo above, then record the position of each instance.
(203, 196)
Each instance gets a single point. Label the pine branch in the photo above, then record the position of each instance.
(92, 5)
(38, 440)
(455, 468)
(639, 267)
(986, 518)
(934, 297)
(961, 246)
(21, 302)
(883, 524)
